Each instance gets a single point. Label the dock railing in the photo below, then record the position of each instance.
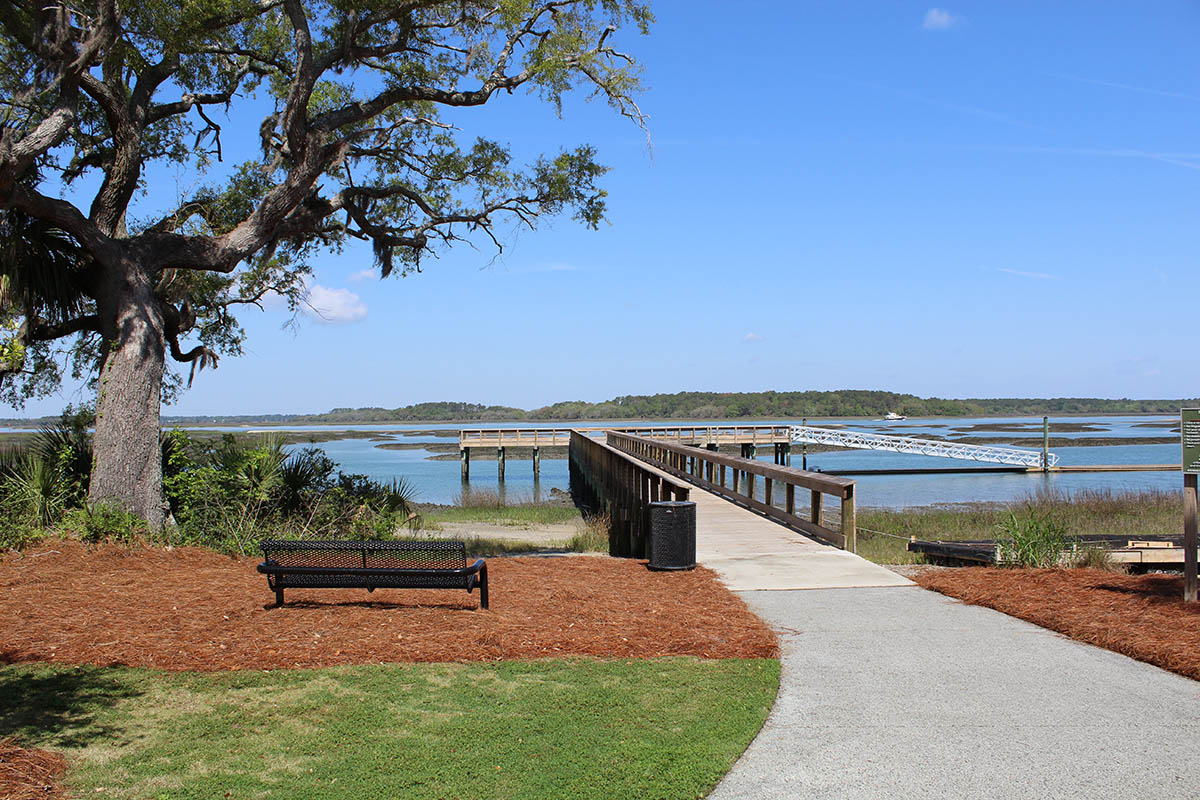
(734, 478)
(611, 482)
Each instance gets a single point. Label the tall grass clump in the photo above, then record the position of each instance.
(594, 537)
(1034, 540)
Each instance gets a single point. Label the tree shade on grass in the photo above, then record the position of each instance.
(666, 728)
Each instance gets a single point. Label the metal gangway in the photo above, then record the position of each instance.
(924, 447)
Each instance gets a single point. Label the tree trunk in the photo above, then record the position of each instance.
(127, 469)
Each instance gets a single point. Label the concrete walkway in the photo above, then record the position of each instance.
(903, 693)
(890, 691)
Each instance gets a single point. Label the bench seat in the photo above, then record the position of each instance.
(370, 565)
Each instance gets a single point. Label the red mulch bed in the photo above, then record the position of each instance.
(191, 609)
(1141, 616)
(29, 774)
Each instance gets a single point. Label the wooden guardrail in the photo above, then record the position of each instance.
(605, 479)
(714, 434)
(681, 434)
(515, 437)
(734, 479)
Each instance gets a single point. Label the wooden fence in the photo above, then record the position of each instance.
(611, 482)
(735, 478)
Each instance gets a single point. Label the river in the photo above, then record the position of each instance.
(439, 481)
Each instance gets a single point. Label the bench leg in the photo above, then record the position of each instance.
(483, 593)
(278, 597)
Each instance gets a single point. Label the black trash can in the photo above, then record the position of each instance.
(672, 535)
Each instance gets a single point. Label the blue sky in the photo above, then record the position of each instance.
(980, 200)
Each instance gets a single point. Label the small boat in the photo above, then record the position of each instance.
(892, 416)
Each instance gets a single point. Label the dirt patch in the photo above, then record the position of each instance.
(1141, 616)
(29, 774)
(191, 609)
(550, 533)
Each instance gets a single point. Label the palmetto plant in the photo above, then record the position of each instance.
(35, 490)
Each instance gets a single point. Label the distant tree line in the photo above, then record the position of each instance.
(719, 405)
(728, 405)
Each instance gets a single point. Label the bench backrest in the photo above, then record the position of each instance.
(435, 554)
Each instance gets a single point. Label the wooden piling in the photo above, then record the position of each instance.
(1189, 538)
(1045, 444)
(464, 455)
(500, 463)
(537, 461)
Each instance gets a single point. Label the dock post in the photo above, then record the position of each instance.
(500, 463)
(787, 453)
(537, 461)
(1045, 444)
(1189, 538)
(464, 455)
(849, 526)
(803, 446)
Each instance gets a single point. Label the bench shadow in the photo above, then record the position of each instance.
(57, 707)
(382, 605)
(1157, 589)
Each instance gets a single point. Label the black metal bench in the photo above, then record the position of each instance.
(370, 565)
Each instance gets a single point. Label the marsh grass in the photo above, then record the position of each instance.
(1032, 540)
(1085, 512)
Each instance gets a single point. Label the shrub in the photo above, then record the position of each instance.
(17, 534)
(103, 522)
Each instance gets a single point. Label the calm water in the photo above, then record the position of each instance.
(439, 482)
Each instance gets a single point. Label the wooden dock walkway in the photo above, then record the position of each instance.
(750, 552)
(736, 536)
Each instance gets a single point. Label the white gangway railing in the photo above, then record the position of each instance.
(925, 447)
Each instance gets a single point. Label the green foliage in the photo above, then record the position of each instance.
(582, 729)
(34, 491)
(103, 522)
(17, 533)
(1034, 540)
(366, 142)
(233, 494)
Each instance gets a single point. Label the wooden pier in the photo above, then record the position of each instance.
(748, 437)
(756, 534)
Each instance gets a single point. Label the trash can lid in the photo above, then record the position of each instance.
(671, 504)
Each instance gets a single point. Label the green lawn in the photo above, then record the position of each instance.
(664, 728)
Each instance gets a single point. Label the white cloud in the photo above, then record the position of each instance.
(364, 275)
(1045, 276)
(752, 337)
(939, 19)
(333, 306)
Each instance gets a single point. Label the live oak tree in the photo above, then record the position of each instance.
(356, 110)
